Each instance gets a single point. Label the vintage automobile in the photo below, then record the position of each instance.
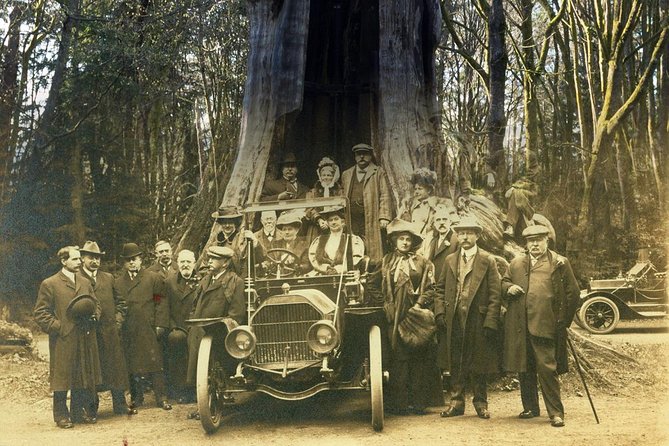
(305, 333)
(640, 293)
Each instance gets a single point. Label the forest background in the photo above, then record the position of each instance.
(120, 121)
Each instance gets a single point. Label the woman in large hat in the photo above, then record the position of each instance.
(407, 280)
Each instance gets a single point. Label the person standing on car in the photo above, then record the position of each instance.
(113, 311)
(467, 312)
(367, 188)
(444, 240)
(541, 295)
(74, 364)
(145, 325)
(406, 279)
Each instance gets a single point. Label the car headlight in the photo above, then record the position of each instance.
(240, 342)
(322, 337)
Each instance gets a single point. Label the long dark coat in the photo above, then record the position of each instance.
(113, 311)
(378, 203)
(73, 352)
(181, 295)
(147, 309)
(158, 268)
(223, 297)
(411, 368)
(272, 188)
(483, 312)
(437, 254)
(566, 292)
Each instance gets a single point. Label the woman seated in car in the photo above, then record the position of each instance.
(327, 253)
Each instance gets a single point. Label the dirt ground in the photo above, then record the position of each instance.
(633, 413)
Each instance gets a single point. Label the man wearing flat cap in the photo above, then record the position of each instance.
(287, 187)
(146, 323)
(66, 310)
(113, 311)
(221, 295)
(467, 312)
(541, 295)
(367, 188)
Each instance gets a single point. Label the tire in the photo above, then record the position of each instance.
(579, 321)
(206, 386)
(599, 315)
(376, 377)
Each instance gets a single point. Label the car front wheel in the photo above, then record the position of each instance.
(599, 315)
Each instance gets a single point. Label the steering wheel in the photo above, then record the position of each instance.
(281, 258)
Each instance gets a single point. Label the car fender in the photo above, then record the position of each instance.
(625, 311)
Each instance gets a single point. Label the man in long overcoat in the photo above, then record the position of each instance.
(181, 290)
(113, 310)
(74, 364)
(146, 322)
(541, 295)
(221, 295)
(467, 312)
(366, 186)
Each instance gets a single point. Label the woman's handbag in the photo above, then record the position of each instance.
(418, 327)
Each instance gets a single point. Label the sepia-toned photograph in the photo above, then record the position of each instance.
(334, 222)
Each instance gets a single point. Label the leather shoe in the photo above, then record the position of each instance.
(165, 405)
(64, 423)
(85, 419)
(134, 404)
(126, 411)
(452, 412)
(527, 414)
(557, 422)
(483, 413)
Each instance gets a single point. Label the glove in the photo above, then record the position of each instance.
(160, 332)
(489, 334)
(440, 319)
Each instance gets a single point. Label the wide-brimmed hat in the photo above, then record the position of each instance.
(424, 177)
(130, 250)
(467, 222)
(536, 231)
(220, 252)
(288, 218)
(398, 226)
(329, 210)
(362, 148)
(227, 213)
(288, 158)
(177, 337)
(81, 307)
(91, 247)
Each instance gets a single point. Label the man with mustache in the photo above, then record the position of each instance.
(444, 240)
(287, 187)
(164, 264)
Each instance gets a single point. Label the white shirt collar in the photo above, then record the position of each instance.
(90, 273)
(68, 274)
(471, 252)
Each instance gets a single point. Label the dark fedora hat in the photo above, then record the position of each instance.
(81, 307)
(288, 158)
(130, 250)
(227, 213)
(91, 247)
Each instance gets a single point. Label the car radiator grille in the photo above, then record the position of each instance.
(281, 328)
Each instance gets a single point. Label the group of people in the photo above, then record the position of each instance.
(113, 332)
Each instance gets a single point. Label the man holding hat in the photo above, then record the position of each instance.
(367, 188)
(113, 310)
(145, 325)
(541, 295)
(182, 289)
(221, 295)
(66, 310)
(467, 312)
(287, 187)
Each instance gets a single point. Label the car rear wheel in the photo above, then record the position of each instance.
(207, 387)
(376, 377)
(599, 315)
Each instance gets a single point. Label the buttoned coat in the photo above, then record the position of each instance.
(378, 203)
(147, 309)
(566, 292)
(221, 297)
(272, 188)
(437, 253)
(113, 310)
(73, 352)
(158, 269)
(181, 297)
(483, 311)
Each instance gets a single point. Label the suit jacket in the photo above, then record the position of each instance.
(438, 254)
(378, 203)
(566, 296)
(483, 302)
(181, 295)
(272, 188)
(158, 268)
(147, 308)
(113, 311)
(73, 352)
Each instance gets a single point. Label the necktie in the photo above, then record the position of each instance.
(464, 258)
(132, 275)
(93, 280)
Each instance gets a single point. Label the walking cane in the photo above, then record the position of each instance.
(580, 373)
